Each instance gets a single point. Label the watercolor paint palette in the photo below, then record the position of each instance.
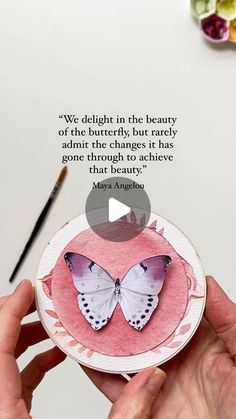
(120, 307)
(217, 19)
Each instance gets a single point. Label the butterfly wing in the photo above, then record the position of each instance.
(140, 288)
(96, 298)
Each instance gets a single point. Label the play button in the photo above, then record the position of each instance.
(117, 209)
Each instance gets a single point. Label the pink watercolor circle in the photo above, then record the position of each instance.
(118, 338)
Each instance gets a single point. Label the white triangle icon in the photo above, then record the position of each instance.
(117, 209)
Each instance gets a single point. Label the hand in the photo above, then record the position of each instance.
(199, 383)
(16, 389)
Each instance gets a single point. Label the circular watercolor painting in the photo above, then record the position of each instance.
(119, 306)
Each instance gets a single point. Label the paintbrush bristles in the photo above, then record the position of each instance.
(62, 175)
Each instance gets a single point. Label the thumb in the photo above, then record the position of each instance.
(221, 314)
(137, 397)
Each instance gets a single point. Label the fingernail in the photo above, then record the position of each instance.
(21, 283)
(155, 381)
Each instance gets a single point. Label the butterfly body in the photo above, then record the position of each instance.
(117, 288)
(137, 293)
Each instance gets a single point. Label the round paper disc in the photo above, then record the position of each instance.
(118, 347)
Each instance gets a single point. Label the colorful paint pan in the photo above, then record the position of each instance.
(217, 19)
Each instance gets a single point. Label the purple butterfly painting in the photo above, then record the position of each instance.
(99, 294)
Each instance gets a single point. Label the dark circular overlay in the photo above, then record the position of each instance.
(129, 193)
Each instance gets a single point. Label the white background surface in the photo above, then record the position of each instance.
(112, 57)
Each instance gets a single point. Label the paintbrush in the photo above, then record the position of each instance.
(40, 221)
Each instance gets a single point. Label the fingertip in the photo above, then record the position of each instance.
(215, 293)
(138, 396)
(24, 284)
(57, 356)
(141, 377)
(156, 381)
(162, 374)
(50, 358)
(21, 299)
(220, 309)
(26, 290)
(211, 281)
(158, 372)
(59, 353)
(210, 278)
(141, 380)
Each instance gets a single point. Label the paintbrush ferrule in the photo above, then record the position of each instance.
(54, 191)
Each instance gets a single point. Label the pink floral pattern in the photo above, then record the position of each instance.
(58, 325)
